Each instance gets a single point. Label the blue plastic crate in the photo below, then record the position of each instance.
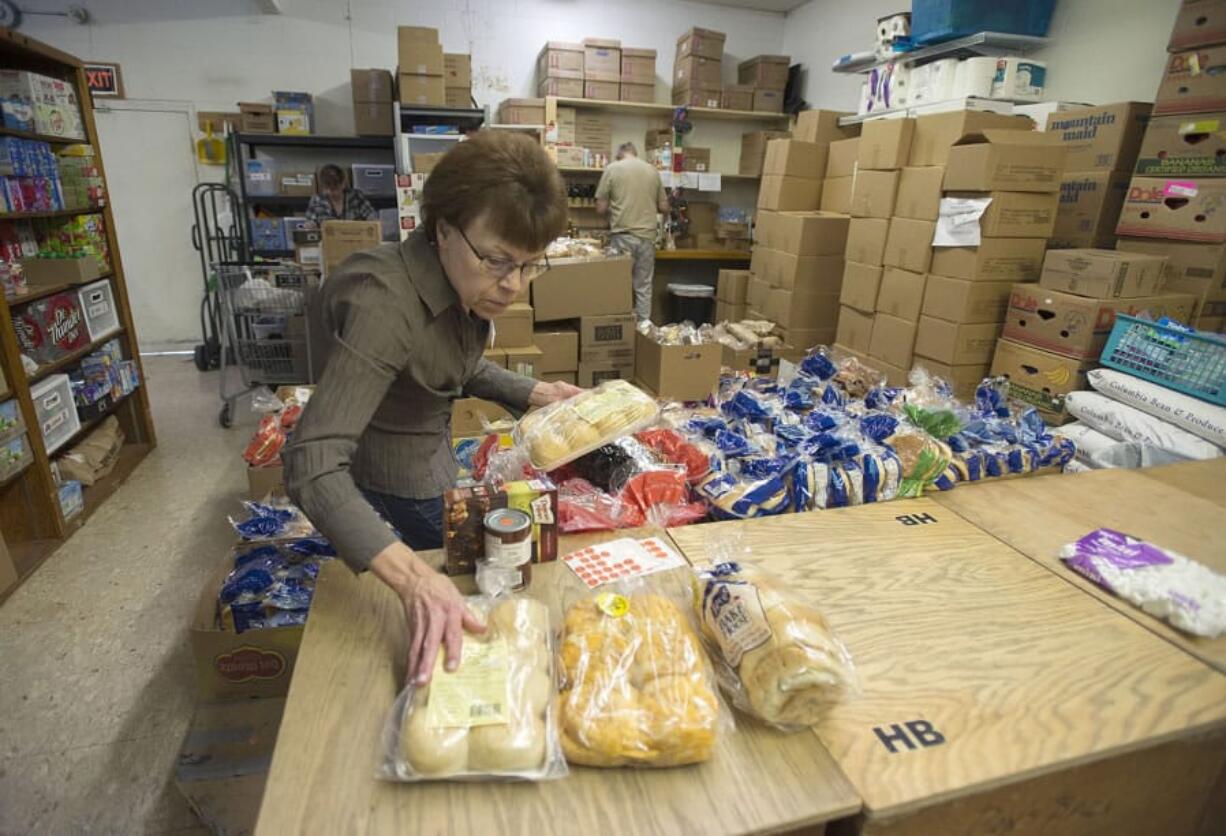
(1190, 362)
(933, 21)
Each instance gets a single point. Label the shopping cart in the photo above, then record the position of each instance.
(264, 327)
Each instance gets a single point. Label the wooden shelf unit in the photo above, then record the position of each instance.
(30, 519)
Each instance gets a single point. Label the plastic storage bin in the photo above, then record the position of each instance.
(268, 234)
(98, 303)
(933, 21)
(56, 410)
(375, 180)
(261, 176)
(292, 225)
(1192, 363)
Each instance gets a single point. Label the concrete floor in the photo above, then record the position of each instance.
(97, 683)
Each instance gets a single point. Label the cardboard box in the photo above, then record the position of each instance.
(695, 71)
(936, 133)
(341, 239)
(802, 309)
(47, 272)
(296, 183)
(901, 294)
(642, 93)
(803, 233)
(263, 482)
(836, 194)
(497, 356)
(638, 66)
(708, 97)
(427, 90)
(885, 144)
(459, 97)
(1038, 377)
(594, 374)
(559, 349)
(959, 300)
(1199, 269)
(1192, 82)
(956, 343)
(458, 69)
(1184, 146)
(994, 260)
(1019, 214)
(565, 377)
(474, 417)
(784, 194)
(1103, 274)
(575, 287)
(606, 91)
(769, 72)
(602, 59)
(1076, 326)
(909, 244)
(1198, 23)
(524, 360)
(703, 215)
(707, 43)
(696, 159)
(841, 157)
(1103, 138)
(257, 118)
(823, 126)
(767, 101)
(795, 158)
(811, 274)
(521, 112)
(678, 372)
(919, 193)
(464, 510)
(866, 239)
(558, 59)
(571, 88)
(608, 339)
(1005, 160)
(861, 284)
(753, 151)
(873, 194)
(732, 286)
(513, 328)
(423, 60)
(755, 359)
(730, 311)
(410, 39)
(372, 86)
(1090, 204)
(757, 294)
(737, 97)
(963, 380)
(797, 342)
(1185, 210)
(855, 329)
(373, 119)
(893, 340)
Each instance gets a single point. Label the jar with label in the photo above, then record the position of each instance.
(507, 564)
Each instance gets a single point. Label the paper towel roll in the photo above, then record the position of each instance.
(1019, 79)
(942, 78)
(974, 77)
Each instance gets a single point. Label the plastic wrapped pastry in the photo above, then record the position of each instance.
(494, 717)
(636, 688)
(564, 431)
(777, 657)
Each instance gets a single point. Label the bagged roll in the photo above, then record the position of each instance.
(1202, 419)
(566, 430)
(1126, 423)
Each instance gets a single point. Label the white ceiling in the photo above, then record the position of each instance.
(761, 5)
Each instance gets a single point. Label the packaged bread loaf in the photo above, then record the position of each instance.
(564, 431)
(494, 717)
(776, 655)
(636, 686)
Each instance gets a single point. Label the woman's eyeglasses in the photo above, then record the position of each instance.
(500, 268)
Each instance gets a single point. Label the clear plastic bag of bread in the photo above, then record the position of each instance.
(564, 431)
(637, 689)
(495, 717)
(775, 654)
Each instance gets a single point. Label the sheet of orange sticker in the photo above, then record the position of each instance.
(621, 559)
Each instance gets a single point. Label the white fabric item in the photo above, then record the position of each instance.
(1196, 416)
(1126, 423)
(1078, 467)
(1095, 450)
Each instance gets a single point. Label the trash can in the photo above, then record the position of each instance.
(691, 302)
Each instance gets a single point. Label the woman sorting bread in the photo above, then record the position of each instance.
(408, 323)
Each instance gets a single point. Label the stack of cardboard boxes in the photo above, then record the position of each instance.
(753, 151)
(1055, 330)
(638, 79)
(420, 67)
(559, 70)
(761, 82)
(1174, 201)
(732, 295)
(513, 346)
(372, 102)
(602, 69)
(458, 79)
(598, 68)
(697, 75)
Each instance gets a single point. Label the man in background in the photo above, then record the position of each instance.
(630, 194)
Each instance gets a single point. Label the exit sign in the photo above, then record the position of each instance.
(104, 80)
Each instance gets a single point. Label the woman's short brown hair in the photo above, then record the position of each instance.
(506, 176)
(331, 176)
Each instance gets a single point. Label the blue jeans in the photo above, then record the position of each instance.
(419, 522)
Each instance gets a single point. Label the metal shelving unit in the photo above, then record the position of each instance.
(964, 103)
(982, 43)
(465, 120)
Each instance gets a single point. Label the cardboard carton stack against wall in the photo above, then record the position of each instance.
(1173, 205)
(697, 74)
(458, 79)
(761, 82)
(373, 92)
(584, 325)
(602, 69)
(420, 67)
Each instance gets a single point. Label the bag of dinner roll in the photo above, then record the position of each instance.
(495, 717)
(566, 430)
(776, 656)
(637, 689)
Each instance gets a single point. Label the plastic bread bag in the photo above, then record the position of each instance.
(776, 657)
(698, 457)
(637, 689)
(495, 717)
(732, 498)
(564, 431)
(610, 466)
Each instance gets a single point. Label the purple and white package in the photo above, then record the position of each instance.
(1165, 584)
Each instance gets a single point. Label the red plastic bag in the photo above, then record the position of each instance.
(266, 444)
(674, 448)
(663, 497)
(584, 507)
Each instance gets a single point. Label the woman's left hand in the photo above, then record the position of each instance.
(544, 393)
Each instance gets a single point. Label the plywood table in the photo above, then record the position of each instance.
(996, 698)
(1178, 506)
(349, 670)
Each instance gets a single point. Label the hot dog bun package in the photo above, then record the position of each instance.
(566, 430)
(637, 689)
(776, 657)
(495, 717)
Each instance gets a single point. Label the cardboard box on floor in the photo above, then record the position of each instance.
(1019, 214)
(841, 157)
(861, 283)
(873, 194)
(956, 343)
(1192, 82)
(524, 360)
(559, 349)
(1103, 138)
(935, 133)
(1090, 205)
(474, 416)
(866, 239)
(265, 482)
(1005, 160)
(808, 273)
(836, 194)
(901, 294)
(607, 339)
(908, 244)
(995, 260)
(678, 372)
(919, 193)
(1040, 378)
(575, 287)
(342, 239)
(855, 329)
(823, 126)
(1199, 269)
(963, 380)
(885, 143)
(893, 340)
(594, 374)
(1184, 210)
(753, 151)
(789, 194)
(802, 310)
(795, 158)
(757, 293)
(960, 300)
(802, 233)
(1103, 274)
(732, 286)
(1184, 146)
(730, 311)
(513, 328)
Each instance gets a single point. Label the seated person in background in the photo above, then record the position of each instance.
(334, 202)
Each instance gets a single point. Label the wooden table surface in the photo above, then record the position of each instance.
(350, 668)
(1177, 506)
(1019, 673)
